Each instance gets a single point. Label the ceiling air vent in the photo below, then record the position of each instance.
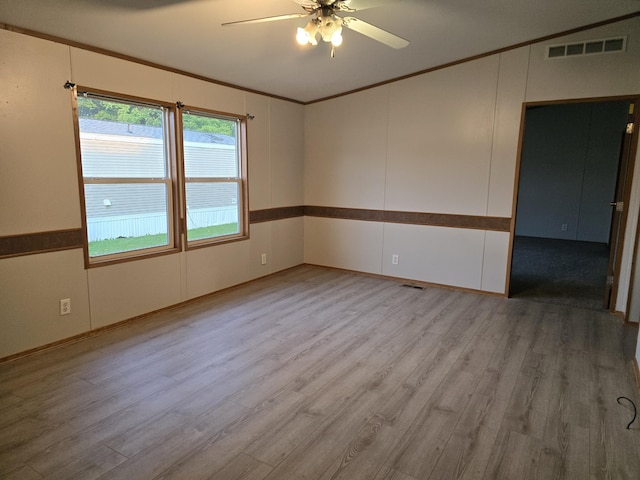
(588, 47)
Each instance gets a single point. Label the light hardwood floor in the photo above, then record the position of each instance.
(319, 374)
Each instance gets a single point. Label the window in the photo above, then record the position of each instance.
(130, 177)
(128, 193)
(214, 166)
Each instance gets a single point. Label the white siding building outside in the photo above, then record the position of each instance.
(111, 149)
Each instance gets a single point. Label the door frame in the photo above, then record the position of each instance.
(631, 147)
(623, 193)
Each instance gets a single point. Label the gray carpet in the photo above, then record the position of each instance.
(559, 271)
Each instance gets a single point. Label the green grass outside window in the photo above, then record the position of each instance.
(119, 245)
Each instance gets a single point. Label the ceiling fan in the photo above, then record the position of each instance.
(328, 25)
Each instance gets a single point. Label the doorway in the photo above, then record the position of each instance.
(570, 177)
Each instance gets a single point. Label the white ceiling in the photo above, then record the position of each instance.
(187, 35)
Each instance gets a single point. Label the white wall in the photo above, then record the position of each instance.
(39, 192)
(425, 144)
(443, 142)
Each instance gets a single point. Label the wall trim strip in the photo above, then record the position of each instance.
(41, 242)
(476, 222)
(278, 213)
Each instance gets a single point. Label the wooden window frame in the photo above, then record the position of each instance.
(170, 179)
(175, 180)
(241, 180)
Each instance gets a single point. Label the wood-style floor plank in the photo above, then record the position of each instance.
(23, 473)
(514, 456)
(318, 374)
(243, 467)
(386, 473)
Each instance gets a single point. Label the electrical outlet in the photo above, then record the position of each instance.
(564, 227)
(264, 259)
(65, 306)
(395, 259)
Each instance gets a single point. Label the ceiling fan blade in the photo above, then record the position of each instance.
(267, 19)
(374, 32)
(362, 4)
(309, 5)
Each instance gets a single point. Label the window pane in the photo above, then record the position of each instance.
(121, 140)
(124, 217)
(125, 167)
(212, 210)
(209, 147)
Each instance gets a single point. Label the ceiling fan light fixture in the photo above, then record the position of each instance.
(301, 36)
(336, 38)
(307, 35)
(329, 25)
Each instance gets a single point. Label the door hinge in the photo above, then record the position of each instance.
(629, 128)
(609, 277)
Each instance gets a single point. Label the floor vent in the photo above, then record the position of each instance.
(418, 287)
(588, 47)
